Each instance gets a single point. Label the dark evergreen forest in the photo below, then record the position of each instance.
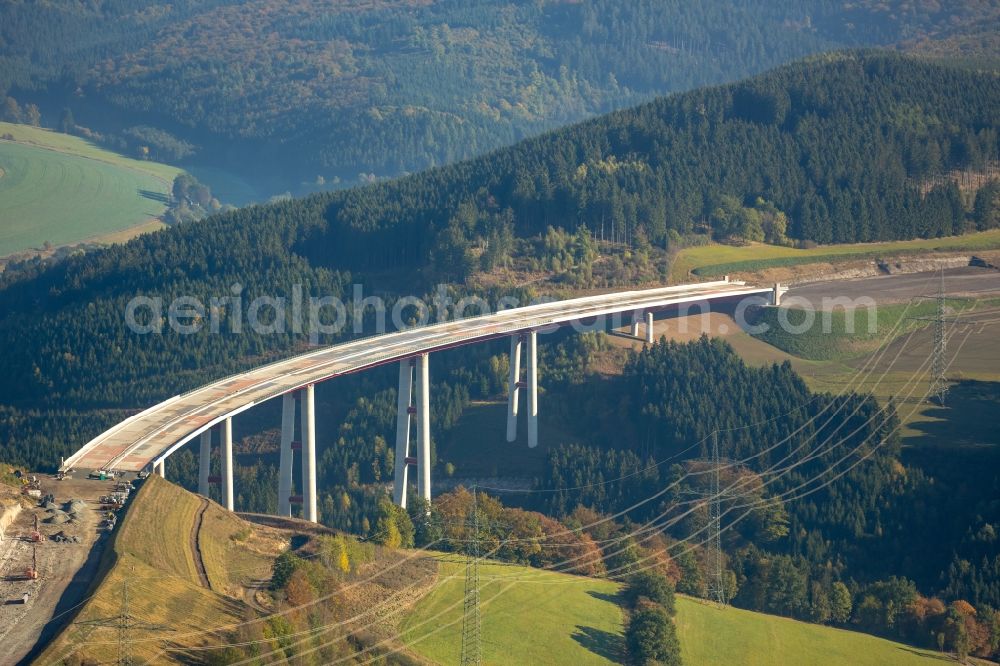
(295, 95)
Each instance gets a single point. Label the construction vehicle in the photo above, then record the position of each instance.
(31, 573)
(29, 482)
(35, 536)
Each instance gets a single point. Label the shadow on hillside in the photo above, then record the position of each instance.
(602, 643)
(604, 596)
(155, 196)
(969, 417)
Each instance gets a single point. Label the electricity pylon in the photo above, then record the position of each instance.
(124, 623)
(939, 364)
(715, 560)
(716, 589)
(472, 644)
(939, 387)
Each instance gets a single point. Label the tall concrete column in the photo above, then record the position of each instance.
(635, 325)
(776, 296)
(532, 389)
(285, 457)
(424, 428)
(307, 399)
(404, 409)
(161, 468)
(649, 327)
(227, 463)
(515, 387)
(204, 462)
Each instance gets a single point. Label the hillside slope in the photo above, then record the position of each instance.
(347, 90)
(61, 189)
(646, 174)
(711, 635)
(534, 616)
(528, 616)
(152, 555)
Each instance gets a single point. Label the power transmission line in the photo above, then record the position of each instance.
(124, 624)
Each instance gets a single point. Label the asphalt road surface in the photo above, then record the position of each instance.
(963, 282)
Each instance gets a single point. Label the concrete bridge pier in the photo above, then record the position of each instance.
(404, 414)
(411, 404)
(514, 394)
(529, 339)
(649, 328)
(532, 389)
(204, 462)
(160, 468)
(307, 398)
(226, 455)
(285, 470)
(424, 430)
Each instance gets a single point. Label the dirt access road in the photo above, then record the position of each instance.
(195, 543)
(968, 282)
(65, 570)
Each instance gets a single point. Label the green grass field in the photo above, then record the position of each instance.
(710, 636)
(538, 617)
(715, 260)
(62, 189)
(837, 336)
(528, 617)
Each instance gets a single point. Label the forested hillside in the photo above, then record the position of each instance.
(842, 147)
(289, 91)
(821, 519)
(832, 149)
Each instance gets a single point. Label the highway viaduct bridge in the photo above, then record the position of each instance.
(147, 439)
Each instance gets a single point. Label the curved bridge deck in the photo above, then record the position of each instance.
(155, 433)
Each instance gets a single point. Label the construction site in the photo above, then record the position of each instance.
(53, 532)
